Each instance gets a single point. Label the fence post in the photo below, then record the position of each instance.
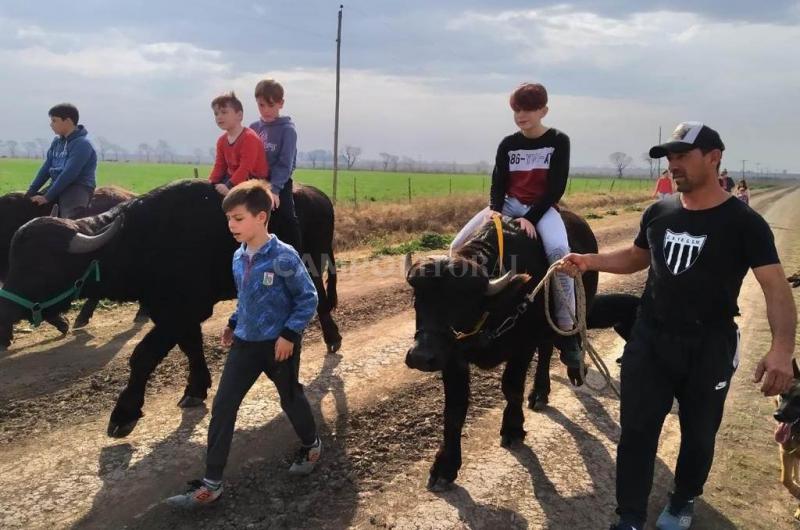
(409, 188)
(355, 193)
(483, 185)
(613, 181)
(569, 188)
(196, 173)
(451, 185)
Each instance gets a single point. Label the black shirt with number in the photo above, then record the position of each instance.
(698, 259)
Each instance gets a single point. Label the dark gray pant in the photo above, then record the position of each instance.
(245, 362)
(660, 365)
(73, 201)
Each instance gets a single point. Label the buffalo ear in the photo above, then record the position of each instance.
(795, 369)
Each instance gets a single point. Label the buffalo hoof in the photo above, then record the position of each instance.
(508, 441)
(574, 375)
(334, 347)
(80, 322)
(537, 402)
(116, 430)
(190, 401)
(439, 484)
(60, 324)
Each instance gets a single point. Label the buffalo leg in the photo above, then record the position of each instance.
(87, 310)
(58, 322)
(456, 401)
(514, 377)
(196, 391)
(146, 356)
(540, 392)
(325, 303)
(142, 315)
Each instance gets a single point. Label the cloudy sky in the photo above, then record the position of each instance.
(423, 79)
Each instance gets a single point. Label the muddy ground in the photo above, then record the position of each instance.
(380, 425)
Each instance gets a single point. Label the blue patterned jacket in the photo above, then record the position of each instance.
(276, 295)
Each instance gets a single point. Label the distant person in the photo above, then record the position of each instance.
(70, 165)
(743, 192)
(240, 154)
(725, 181)
(276, 301)
(279, 137)
(529, 178)
(664, 185)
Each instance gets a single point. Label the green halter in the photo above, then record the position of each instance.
(72, 293)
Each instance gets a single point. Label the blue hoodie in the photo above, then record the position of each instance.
(70, 160)
(276, 297)
(280, 142)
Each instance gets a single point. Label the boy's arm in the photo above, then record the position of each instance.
(220, 166)
(281, 172)
(556, 182)
(497, 194)
(77, 157)
(42, 175)
(251, 150)
(304, 296)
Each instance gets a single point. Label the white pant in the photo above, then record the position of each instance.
(551, 230)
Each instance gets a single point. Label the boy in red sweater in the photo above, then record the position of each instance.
(240, 153)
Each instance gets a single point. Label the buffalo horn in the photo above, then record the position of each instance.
(83, 244)
(497, 285)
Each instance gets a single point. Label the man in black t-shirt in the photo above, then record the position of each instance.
(699, 245)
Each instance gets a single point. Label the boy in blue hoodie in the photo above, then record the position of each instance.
(276, 300)
(70, 164)
(280, 143)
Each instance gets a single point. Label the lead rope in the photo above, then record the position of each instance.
(580, 323)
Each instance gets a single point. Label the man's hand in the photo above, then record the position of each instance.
(574, 264)
(222, 189)
(39, 200)
(493, 213)
(776, 371)
(276, 200)
(227, 337)
(527, 226)
(283, 349)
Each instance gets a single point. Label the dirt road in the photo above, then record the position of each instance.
(380, 425)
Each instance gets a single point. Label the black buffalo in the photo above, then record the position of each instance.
(16, 209)
(451, 297)
(171, 250)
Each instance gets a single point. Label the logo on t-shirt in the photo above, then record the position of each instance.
(681, 250)
(529, 159)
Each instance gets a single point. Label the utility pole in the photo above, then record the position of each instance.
(336, 114)
(743, 161)
(658, 173)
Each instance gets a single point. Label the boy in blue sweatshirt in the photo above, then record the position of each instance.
(276, 300)
(70, 164)
(280, 143)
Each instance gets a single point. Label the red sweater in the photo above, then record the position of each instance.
(241, 160)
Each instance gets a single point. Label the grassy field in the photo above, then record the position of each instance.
(366, 186)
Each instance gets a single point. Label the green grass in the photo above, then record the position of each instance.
(427, 241)
(369, 186)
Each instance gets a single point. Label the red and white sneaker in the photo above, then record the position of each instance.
(200, 493)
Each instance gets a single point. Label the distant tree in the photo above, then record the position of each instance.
(650, 161)
(103, 147)
(145, 150)
(11, 146)
(386, 159)
(395, 161)
(351, 154)
(212, 153)
(30, 148)
(164, 152)
(408, 163)
(2, 145)
(620, 162)
(317, 155)
(198, 155)
(43, 146)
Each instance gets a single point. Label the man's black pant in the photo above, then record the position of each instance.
(695, 366)
(284, 222)
(245, 362)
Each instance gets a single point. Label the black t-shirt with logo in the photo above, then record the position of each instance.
(698, 259)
